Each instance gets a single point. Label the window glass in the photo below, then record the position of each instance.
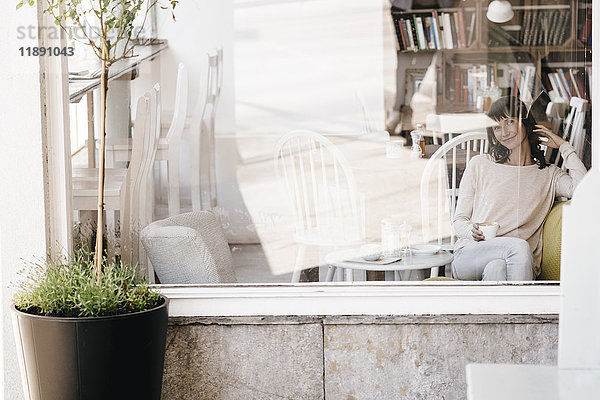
(369, 141)
(386, 92)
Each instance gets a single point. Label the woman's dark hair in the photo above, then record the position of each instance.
(512, 107)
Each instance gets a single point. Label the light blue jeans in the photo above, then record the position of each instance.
(498, 259)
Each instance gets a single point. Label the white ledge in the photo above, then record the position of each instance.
(363, 298)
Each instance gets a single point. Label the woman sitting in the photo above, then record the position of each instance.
(514, 186)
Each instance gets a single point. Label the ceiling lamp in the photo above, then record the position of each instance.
(500, 11)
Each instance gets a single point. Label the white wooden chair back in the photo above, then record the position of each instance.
(202, 141)
(180, 107)
(573, 128)
(151, 146)
(174, 135)
(368, 124)
(130, 214)
(445, 163)
(321, 189)
(139, 180)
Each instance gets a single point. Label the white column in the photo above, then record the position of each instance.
(579, 327)
(56, 138)
(595, 88)
(22, 219)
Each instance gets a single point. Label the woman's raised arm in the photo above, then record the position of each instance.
(567, 182)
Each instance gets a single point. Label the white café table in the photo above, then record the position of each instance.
(349, 260)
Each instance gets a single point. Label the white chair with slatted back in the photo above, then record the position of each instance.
(168, 146)
(130, 219)
(118, 184)
(142, 192)
(573, 128)
(322, 192)
(446, 162)
(202, 137)
(572, 125)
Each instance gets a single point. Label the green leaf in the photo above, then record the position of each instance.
(19, 5)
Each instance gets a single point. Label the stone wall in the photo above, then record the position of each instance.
(386, 357)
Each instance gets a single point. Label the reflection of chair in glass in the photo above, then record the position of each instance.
(189, 248)
(125, 189)
(449, 161)
(320, 187)
(168, 146)
(202, 136)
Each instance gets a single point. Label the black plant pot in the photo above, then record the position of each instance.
(116, 357)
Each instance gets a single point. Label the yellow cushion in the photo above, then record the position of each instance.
(551, 243)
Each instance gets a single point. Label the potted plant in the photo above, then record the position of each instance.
(84, 336)
(88, 328)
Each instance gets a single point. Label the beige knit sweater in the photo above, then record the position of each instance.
(518, 198)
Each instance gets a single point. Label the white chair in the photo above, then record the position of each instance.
(573, 129)
(447, 163)
(202, 136)
(168, 146)
(142, 193)
(322, 192)
(119, 182)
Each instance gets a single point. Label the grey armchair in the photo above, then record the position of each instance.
(189, 248)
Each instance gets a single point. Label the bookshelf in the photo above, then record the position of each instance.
(546, 42)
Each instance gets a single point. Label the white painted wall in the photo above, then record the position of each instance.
(298, 64)
(22, 221)
(287, 65)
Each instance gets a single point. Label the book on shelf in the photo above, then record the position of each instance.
(585, 36)
(401, 37)
(460, 23)
(433, 30)
(411, 34)
(578, 77)
(405, 31)
(525, 27)
(436, 30)
(447, 30)
(420, 33)
(565, 83)
(545, 27)
(453, 23)
(427, 26)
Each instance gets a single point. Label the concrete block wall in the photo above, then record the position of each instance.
(385, 357)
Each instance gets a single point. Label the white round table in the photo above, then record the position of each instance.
(349, 260)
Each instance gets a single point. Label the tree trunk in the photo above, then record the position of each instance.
(100, 225)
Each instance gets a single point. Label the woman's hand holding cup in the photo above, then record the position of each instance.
(484, 230)
(477, 234)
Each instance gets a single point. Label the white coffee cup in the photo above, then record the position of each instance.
(489, 229)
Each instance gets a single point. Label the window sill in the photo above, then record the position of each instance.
(362, 298)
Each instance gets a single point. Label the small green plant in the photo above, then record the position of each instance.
(70, 287)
